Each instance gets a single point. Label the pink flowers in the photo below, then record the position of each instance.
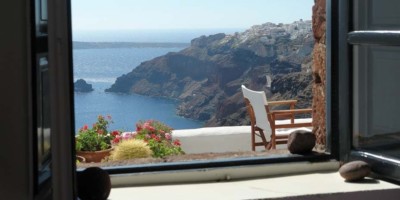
(138, 127)
(116, 140)
(155, 137)
(177, 142)
(118, 136)
(159, 137)
(96, 138)
(128, 135)
(115, 133)
(84, 128)
(148, 126)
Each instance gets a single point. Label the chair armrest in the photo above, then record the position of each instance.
(288, 114)
(276, 114)
(274, 103)
(294, 111)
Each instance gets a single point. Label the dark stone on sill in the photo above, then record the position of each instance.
(355, 170)
(93, 184)
(81, 86)
(301, 142)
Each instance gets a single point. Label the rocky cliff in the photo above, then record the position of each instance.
(206, 76)
(82, 86)
(319, 71)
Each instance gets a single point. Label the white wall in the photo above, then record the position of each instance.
(223, 139)
(214, 139)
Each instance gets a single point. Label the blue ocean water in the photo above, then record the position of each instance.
(100, 67)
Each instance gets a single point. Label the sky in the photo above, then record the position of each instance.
(184, 14)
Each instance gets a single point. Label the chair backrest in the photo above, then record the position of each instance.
(258, 103)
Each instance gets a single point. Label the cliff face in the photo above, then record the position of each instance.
(206, 76)
(319, 71)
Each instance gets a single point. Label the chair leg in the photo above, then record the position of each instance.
(273, 139)
(253, 139)
(264, 140)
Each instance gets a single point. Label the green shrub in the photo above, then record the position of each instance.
(129, 149)
(159, 137)
(164, 148)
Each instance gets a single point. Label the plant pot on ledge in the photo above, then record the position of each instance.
(94, 156)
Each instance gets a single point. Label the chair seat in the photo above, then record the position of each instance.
(297, 121)
(286, 131)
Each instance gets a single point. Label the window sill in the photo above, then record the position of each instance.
(305, 179)
(221, 173)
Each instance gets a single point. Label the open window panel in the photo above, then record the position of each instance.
(51, 102)
(204, 73)
(376, 126)
(375, 53)
(40, 96)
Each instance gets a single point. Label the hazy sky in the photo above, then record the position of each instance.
(184, 14)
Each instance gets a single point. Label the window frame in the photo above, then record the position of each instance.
(342, 56)
(63, 166)
(338, 79)
(60, 55)
(338, 105)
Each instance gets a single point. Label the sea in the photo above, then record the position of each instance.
(101, 66)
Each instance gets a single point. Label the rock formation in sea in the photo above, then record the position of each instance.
(206, 77)
(81, 86)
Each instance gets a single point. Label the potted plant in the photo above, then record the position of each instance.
(94, 144)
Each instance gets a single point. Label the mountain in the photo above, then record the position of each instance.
(103, 45)
(206, 77)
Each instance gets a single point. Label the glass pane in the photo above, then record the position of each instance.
(376, 15)
(43, 115)
(43, 10)
(376, 99)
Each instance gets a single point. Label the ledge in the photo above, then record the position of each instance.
(220, 173)
(225, 138)
(279, 181)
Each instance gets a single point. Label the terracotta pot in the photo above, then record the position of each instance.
(94, 156)
(80, 159)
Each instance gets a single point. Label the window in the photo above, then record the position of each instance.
(374, 79)
(340, 75)
(256, 45)
(41, 93)
(373, 66)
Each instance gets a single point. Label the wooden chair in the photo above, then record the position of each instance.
(264, 119)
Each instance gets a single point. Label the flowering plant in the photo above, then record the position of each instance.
(159, 137)
(96, 138)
